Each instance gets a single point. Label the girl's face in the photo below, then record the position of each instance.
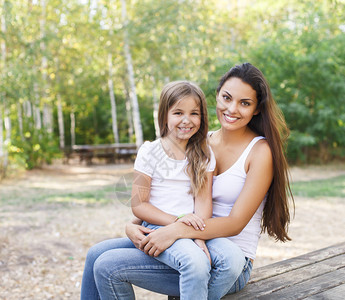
(236, 104)
(184, 119)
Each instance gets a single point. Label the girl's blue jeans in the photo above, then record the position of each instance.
(112, 266)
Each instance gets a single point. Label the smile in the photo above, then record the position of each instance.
(185, 129)
(229, 119)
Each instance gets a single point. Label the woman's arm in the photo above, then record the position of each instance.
(141, 207)
(258, 181)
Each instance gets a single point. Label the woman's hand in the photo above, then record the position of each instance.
(202, 245)
(159, 240)
(136, 221)
(137, 233)
(193, 220)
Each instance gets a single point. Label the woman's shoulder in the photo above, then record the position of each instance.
(261, 151)
(261, 145)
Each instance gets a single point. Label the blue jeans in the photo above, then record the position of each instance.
(191, 262)
(228, 265)
(112, 266)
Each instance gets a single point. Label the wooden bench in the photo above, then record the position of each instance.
(110, 152)
(315, 275)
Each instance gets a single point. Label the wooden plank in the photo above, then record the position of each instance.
(309, 287)
(296, 262)
(290, 278)
(336, 293)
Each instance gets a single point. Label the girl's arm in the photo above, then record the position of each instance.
(141, 207)
(258, 181)
(202, 206)
(203, 209)
(203, 201)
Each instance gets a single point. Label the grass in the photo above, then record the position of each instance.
(103, 195)
(333, 187)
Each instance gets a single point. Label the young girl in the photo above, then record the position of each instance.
(172, 184)
(173, 181)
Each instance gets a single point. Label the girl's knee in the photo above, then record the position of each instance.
(92, 254)
(102, 269)
(98, 249)
(98, 268)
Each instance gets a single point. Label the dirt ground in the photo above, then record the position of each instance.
(43, 244)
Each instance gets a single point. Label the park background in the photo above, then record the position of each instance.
(90, 72)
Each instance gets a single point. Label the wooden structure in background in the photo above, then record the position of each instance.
(112, 153)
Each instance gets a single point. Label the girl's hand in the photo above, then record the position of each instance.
(137, 233)
(193, 220)
(202, 245)
(159, 240)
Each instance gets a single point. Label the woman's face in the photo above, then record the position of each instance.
(236, 104)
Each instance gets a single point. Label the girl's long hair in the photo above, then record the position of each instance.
(197, 150)
(269, 123)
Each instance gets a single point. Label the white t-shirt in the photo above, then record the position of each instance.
(170, 183)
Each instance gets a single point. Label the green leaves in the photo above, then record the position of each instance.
(299, 46)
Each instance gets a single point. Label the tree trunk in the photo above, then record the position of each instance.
(72, 129)
(36, 108)
(37, 115)
(47, 109)
(8, 137)
(61, 123)
(3, 149)
(133, 95)
(20, 120)
(112, 99)
(129, 118)
(155, 110)
(47, 118)
(2, 169)
(128, 112)
(27, 109)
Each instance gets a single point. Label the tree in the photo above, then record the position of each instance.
(4, 118)
(133, 94)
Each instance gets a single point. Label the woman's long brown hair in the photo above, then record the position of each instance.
(269, 123)
(197, 150)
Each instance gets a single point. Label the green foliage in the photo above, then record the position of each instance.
(298, 145)
(35, 149)
(304, 61)
(61, 50)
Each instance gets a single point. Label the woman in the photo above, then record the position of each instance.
(250, 194)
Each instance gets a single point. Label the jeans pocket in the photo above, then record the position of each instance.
(247, 264)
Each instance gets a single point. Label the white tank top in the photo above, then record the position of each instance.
(226, 188)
